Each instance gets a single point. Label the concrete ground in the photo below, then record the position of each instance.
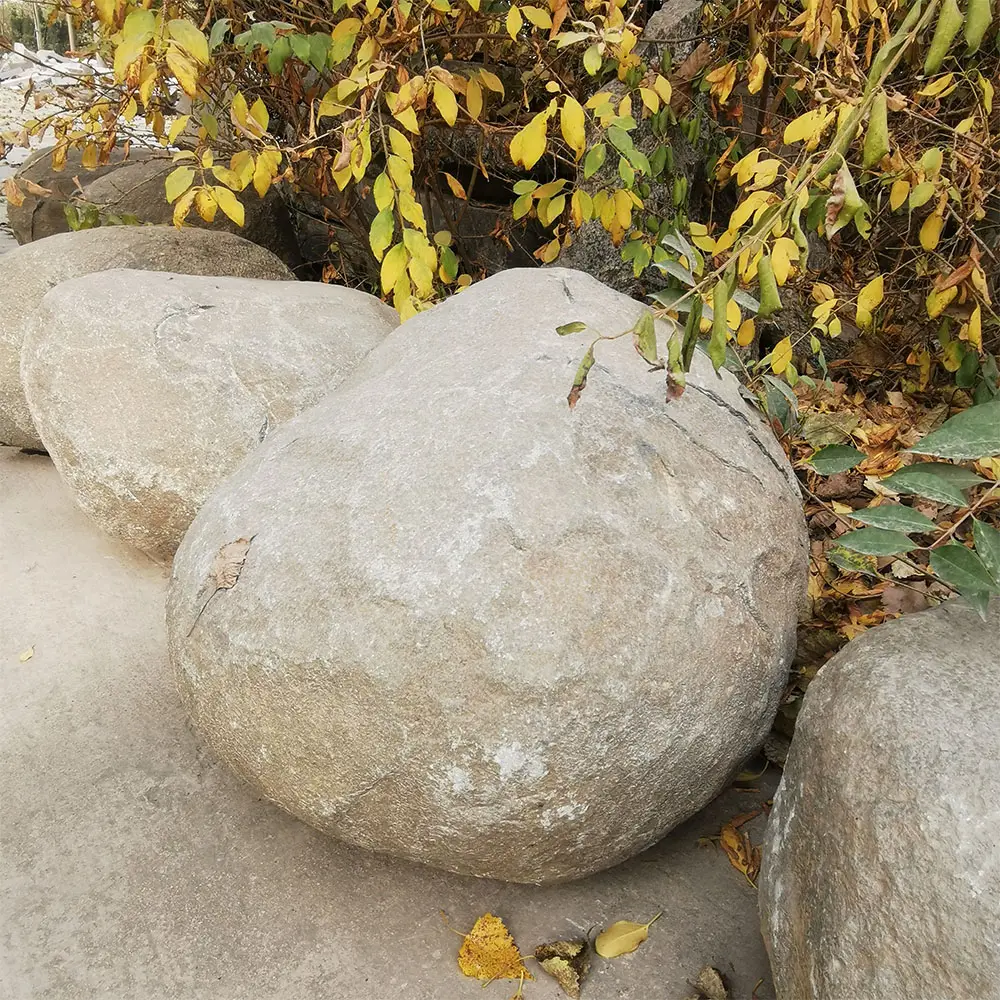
(134, 866)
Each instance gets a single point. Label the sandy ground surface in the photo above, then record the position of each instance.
(135, 867)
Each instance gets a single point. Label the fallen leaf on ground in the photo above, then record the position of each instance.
(743, 856)
(488, 952)
(27, 654)
(622, 937)
(710, 985)
(567, 962)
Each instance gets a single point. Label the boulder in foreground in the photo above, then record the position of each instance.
(881, 873)
(471, 627)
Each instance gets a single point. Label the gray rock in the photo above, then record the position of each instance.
(881, 875)
(26, 274)
(148, 389)
(135, 187)
(479, 630)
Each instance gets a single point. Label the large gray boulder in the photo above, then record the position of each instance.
(881, 872)
(148, 388)
(27, 273)
(443, 616)
(134, 187)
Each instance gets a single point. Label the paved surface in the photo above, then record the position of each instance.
(133, 866)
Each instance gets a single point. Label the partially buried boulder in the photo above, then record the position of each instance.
(148, 389)
(132, 187)
(881, 873)
(27, 273)
(471, 627)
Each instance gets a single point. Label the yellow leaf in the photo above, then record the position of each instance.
(26, 655)
(869, 299)
(229, 204)
(650, 99)
(745, 167)
(899, 193)
(746, 333)
(822, 312)
(184, 70)
(456, 189)
(178, 125)
(529, 144)
(930, 231)
(548, 253)
(538, 17)
(662, 87)
(444, 100)
(239, 112)
(408, 119)
(722, 81)
(755, 76)
(393, 266)
(130, 110)
(940, 84)
(965, 125)
(106, 10)
(781, 356)
(733, 315)
(189, 38)
(808, 126)
(937, 301)
(474, 98)
(205, 204)
(987, 89)
(178, 181)
(623, 209)
(514, 22)
(182, 206)
(822, 292)
(491, 81)
(258, 116)
(622, 938)
(783, 253)
(573, 125)
(488, 951)
(974, 330)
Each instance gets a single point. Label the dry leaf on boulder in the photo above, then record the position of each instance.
(622, 937)
(27, 655)
(488, 952)
(567, 962)
(228, 563)
(710, 985)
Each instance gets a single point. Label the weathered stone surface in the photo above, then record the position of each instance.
(148, 389)
(135, 187)
(477, 629)
(881, 872)
(27, 273)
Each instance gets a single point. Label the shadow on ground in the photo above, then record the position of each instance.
(134, 866)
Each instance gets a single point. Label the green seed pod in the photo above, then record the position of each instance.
(977, 19)
(717, 343)
(680, 190)
(666, 61)
(668, 163)
(770, 300)
(949, 21)
(877, 137)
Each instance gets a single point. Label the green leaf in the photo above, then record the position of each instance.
(962, 569)
(973, 433)
(380, 234)
(580, 380)
(592, 60)
(566, 328)
(835, 458)
(933, 480)
(594, 160)
(278, 55)
(219, 30)
(319, 50)
(876, 542)
(300, 47)
(449, 263)
(852, 562)
(987, 540)
(978, 601)
(644, 333)
(895, 517)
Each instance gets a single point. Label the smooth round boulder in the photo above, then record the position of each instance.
(881, 870)
(28, 272)
(444, 616)
(149, 388)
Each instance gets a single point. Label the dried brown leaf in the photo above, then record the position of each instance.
(710, 984)
(488, 952)
(228, 563)
(567, 962)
